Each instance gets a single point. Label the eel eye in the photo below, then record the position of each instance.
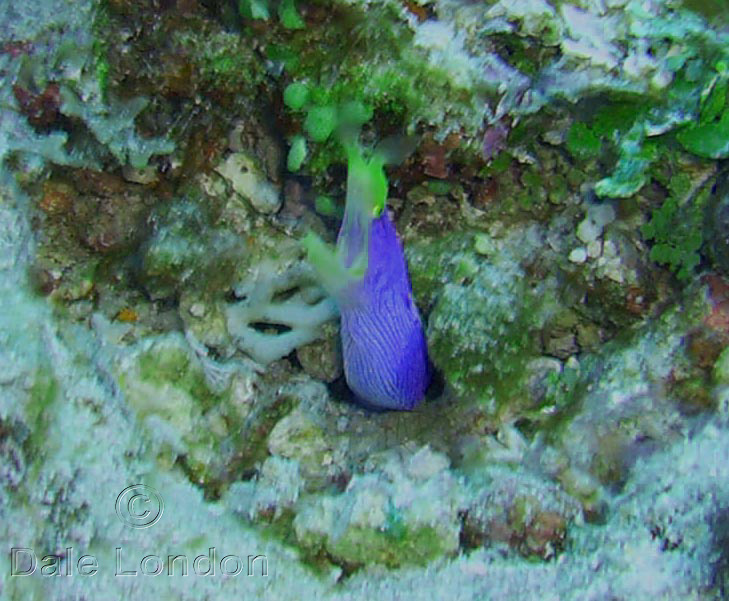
(377, 211)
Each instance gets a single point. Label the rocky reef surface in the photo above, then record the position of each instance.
(564, 219)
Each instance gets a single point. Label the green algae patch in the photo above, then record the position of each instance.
(582, 142)
(710, 140)
(483, 314)
(177, 257)
(431, 263)
(480, 345)
(42, 394)
(205, 417)
(175, 366)
(392, 548)
(223, 61)
(720, 372)
(390, 521)
(676, 228)
(165, 385)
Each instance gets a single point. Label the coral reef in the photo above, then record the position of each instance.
(563, 217)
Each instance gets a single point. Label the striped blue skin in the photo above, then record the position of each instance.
(384, 348)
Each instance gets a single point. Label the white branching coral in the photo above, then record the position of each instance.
(277, 310)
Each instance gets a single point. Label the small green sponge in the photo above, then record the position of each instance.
(320, 122)
(296, 96)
